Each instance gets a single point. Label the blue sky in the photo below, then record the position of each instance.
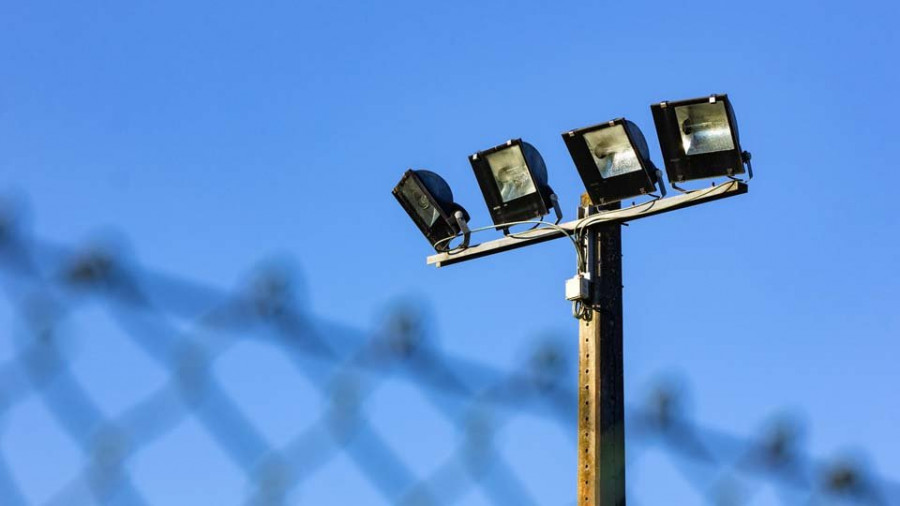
(211, 135)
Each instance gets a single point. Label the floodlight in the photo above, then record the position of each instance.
(613, 161)
(427, 199)
(699, 138)
(513, 179)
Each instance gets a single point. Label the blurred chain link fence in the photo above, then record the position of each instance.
(185, 328)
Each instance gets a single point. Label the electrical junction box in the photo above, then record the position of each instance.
(578, 288)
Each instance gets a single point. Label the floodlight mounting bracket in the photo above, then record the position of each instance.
(618, 216)
(745, 159)
(556, 208)
(746, 156)
(680, 189)
(659, 182)
(463, 229)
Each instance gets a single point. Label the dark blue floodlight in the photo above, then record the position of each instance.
(613, 161)
(513, 180)
(699, 138)
(427, 199)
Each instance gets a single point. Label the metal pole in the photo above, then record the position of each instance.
(601, 409)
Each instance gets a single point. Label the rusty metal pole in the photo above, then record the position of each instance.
(601, 408)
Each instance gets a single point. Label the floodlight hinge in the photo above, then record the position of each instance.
(746, 156)
(745, 159)
(682, 190)
(463, 229)
(556, 208)
(659, 182)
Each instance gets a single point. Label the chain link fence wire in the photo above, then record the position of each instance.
(185, 329)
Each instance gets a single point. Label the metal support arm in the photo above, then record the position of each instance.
(652, 208)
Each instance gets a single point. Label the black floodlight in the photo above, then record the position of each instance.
(613, 161)
(513, 179)
(699, 138)
(427, 199)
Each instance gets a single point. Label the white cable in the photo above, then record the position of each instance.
(577, 231)
(514, 236)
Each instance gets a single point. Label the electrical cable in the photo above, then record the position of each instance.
(438, 245)
(596, 218)
(577, 233)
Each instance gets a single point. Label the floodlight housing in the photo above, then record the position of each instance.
(513, 180)
(427, 199)
(613, 161)
(699, 138)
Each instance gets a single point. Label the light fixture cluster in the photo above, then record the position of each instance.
(698, 139)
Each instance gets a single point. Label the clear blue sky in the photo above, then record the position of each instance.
(212, 135)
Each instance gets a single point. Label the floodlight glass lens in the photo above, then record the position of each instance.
(419, 201)
(511, 173)
(704, 128)
(612, 151)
